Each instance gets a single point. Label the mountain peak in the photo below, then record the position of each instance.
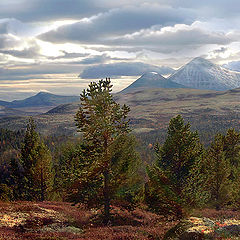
(152, 80)
(41, 93)
(201, 73)
(201, 61)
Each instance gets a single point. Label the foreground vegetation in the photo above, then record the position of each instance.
(110, 177)
(61, 221)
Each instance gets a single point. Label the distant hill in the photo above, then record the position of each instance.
(151, 109)
(42, 99)
(203, 74)
(152, 80)
(5, 111)
(70, 108)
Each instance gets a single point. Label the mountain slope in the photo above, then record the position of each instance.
(39, 100)
(152, 80)
(203, 74)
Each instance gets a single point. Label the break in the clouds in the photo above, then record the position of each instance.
(47, 44)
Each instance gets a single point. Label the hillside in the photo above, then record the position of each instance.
(5, 111)
(151, 109)
(203, 74)
(42, 99)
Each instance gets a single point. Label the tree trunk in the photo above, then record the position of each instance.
(42, 186)
(106, 197)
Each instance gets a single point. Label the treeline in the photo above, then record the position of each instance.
(104, 167)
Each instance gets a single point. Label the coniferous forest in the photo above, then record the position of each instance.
(109, 171)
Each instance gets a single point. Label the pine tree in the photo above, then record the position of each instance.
(232, 153)
(36, 165)
(169, 176)
(43, 173)
(103, 122)
(219, 171)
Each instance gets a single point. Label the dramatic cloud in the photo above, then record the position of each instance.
(117, 22)
(46, 44)
(32, 51)
(169, 39)
(122, 69)
(44, 10)
(9, 41)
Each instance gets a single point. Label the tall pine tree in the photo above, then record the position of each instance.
(103, 123)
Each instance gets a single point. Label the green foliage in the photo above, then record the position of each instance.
(6, 193)
(223, 169)
(72, 160)
(110, 161)
(43, 173)
(169, 176)
(218, 172)
(196, 192)
(36, 164)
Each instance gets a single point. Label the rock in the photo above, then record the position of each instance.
(182, 231)
(203, 228)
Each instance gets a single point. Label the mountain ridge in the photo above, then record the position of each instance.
(41, 99)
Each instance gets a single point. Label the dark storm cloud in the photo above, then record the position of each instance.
(121, 69)
(117, 22)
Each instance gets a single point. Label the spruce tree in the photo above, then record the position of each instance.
(232, 152)
(169, 176)
(103, 122)
(218, 172)
(43, 173)
(36, 165)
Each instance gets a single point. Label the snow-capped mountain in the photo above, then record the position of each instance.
(152, 80)
(203, 74)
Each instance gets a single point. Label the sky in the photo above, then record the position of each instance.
(60, 46)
